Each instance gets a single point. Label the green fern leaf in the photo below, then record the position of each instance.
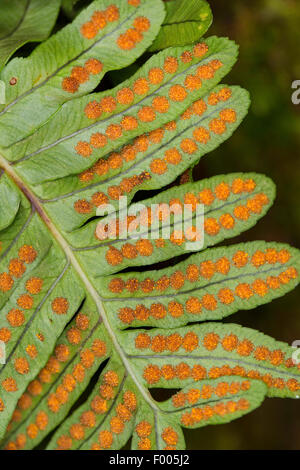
(69, 7)
(185, 22)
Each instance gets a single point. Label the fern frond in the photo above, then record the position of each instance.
(75, 365)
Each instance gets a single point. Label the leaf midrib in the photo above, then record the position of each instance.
(13, 175)
(220, 358)
(197, 288)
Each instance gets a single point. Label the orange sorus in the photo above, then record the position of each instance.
(226, 296)
(171, 64)
(217, 126)
(177, 93)
(62, 352)
(188, 146)
(211, 341)
(222, 191)
(202, 135)
(158, 311)
(87, 358)
(143, 428)
(222, 265)
(193, 305)
(228, 115)
(205, 72)
(241, 212)
(16, 268)
(9, 385)
(158, 343)
(224, 94)
(64, 443)
(183, 371)
(116, 285)
(113, 256)
(31, 351)
(129, 39)
(186, 57)
(80, 74)
(245, 347)
(211, 226)
(70, 84)
(25, 301)
(156, 74)
(207, 269)
(112, 13)
(227, 221)
(123, 412)
(99, 140)
(126, 315)
(132, 285)
(99, 348)
(6, 282)
(192, 82)
(89, 30)
(125, 96)
(240, 259)
(27, 254)
(230, 342)
(60, 305)
(152, 374)
(5, 335)
(141, 313)
(99, 405)
(34, 285)
(74, 336)
(93, 66)
(161, 104)
(170, 436)
(93, 110)
(15, 317)
(84, 149)
(200, 49)
(105, 439)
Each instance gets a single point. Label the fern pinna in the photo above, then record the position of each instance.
(68, 308)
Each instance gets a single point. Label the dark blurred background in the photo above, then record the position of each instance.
(268, 32)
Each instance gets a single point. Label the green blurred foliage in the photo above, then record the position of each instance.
(185, 22)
